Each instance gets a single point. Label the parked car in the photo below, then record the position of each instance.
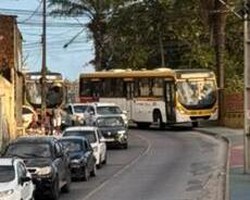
(95, 138)
(82, 159)
(114, 130)
(47, 162)
(15, 180)
(74, 114)
(95, 110)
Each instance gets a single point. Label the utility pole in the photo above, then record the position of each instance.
(246, 88)
(43, 71)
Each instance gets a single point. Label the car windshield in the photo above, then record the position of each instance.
(72, 145)
(80, 108)
(197, 94)
(7, 173)
(110, 121)
(29, 150)
(107, 110)
(90, 135)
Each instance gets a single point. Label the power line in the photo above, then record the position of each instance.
(34, 12)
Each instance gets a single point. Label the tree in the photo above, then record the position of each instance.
(97, 11)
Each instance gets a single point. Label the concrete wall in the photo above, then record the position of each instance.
(7, 119)
(234, 110)
(11, 60)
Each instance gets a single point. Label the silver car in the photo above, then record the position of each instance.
(96, 110)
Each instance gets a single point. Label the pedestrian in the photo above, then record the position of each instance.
(57, 120)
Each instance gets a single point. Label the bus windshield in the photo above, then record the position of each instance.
(54, 94)
(197, 94)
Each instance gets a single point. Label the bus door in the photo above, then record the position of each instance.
(169, 96)
(129, 88)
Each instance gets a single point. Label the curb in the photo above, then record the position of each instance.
(226, 194)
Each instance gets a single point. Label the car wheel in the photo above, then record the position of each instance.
(93, 172)
(99, 166)
(125, 146)
(55, 190)
(105, 159)
(85, 174)
(143, 125)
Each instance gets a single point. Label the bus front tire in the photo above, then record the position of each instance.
(195, 124)
(158, 119)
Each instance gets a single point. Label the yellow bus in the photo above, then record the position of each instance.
(160, 96)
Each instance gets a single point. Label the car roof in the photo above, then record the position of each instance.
(73, 138)
(110, 116)
(77, 104)
(81, 128)
(103, 104)
(34, 139)
(8, 161)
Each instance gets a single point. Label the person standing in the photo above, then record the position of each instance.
(57, 120)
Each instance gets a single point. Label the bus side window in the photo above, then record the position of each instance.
(157, 88)
(136, 88)
(144, 87)
(128, 89)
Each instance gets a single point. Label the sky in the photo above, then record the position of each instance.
(70, 61)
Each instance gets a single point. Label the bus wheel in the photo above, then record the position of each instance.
(195, 124)
(158, 120)
(143, 125)
(161, 124)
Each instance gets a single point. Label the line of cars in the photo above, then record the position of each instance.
(111, 121)
(34, 166)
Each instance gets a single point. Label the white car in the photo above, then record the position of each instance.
(95, 110)
(15, 180)
(97, 141)
(75, 113)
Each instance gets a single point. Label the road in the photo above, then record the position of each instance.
(159, 165)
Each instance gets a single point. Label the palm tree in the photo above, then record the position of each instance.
(97, 11)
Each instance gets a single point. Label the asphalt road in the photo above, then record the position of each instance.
(159, 165)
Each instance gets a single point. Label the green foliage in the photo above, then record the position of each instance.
(139, 34)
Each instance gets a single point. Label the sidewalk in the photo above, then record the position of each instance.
(239, 183)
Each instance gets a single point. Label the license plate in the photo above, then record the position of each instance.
(110, 140)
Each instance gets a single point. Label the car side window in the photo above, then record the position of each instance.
(91, 110)
(21, 170)
(71, 109)
(99, 134)
(87, 145)
(58, 149)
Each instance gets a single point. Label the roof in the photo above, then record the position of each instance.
(38, 73)
(8, 161)
(159, 72)
(34, 139)
(102, 104)
(73, 138)
(110, 116)
(130, 74)
(78, 104)
(81, 128)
